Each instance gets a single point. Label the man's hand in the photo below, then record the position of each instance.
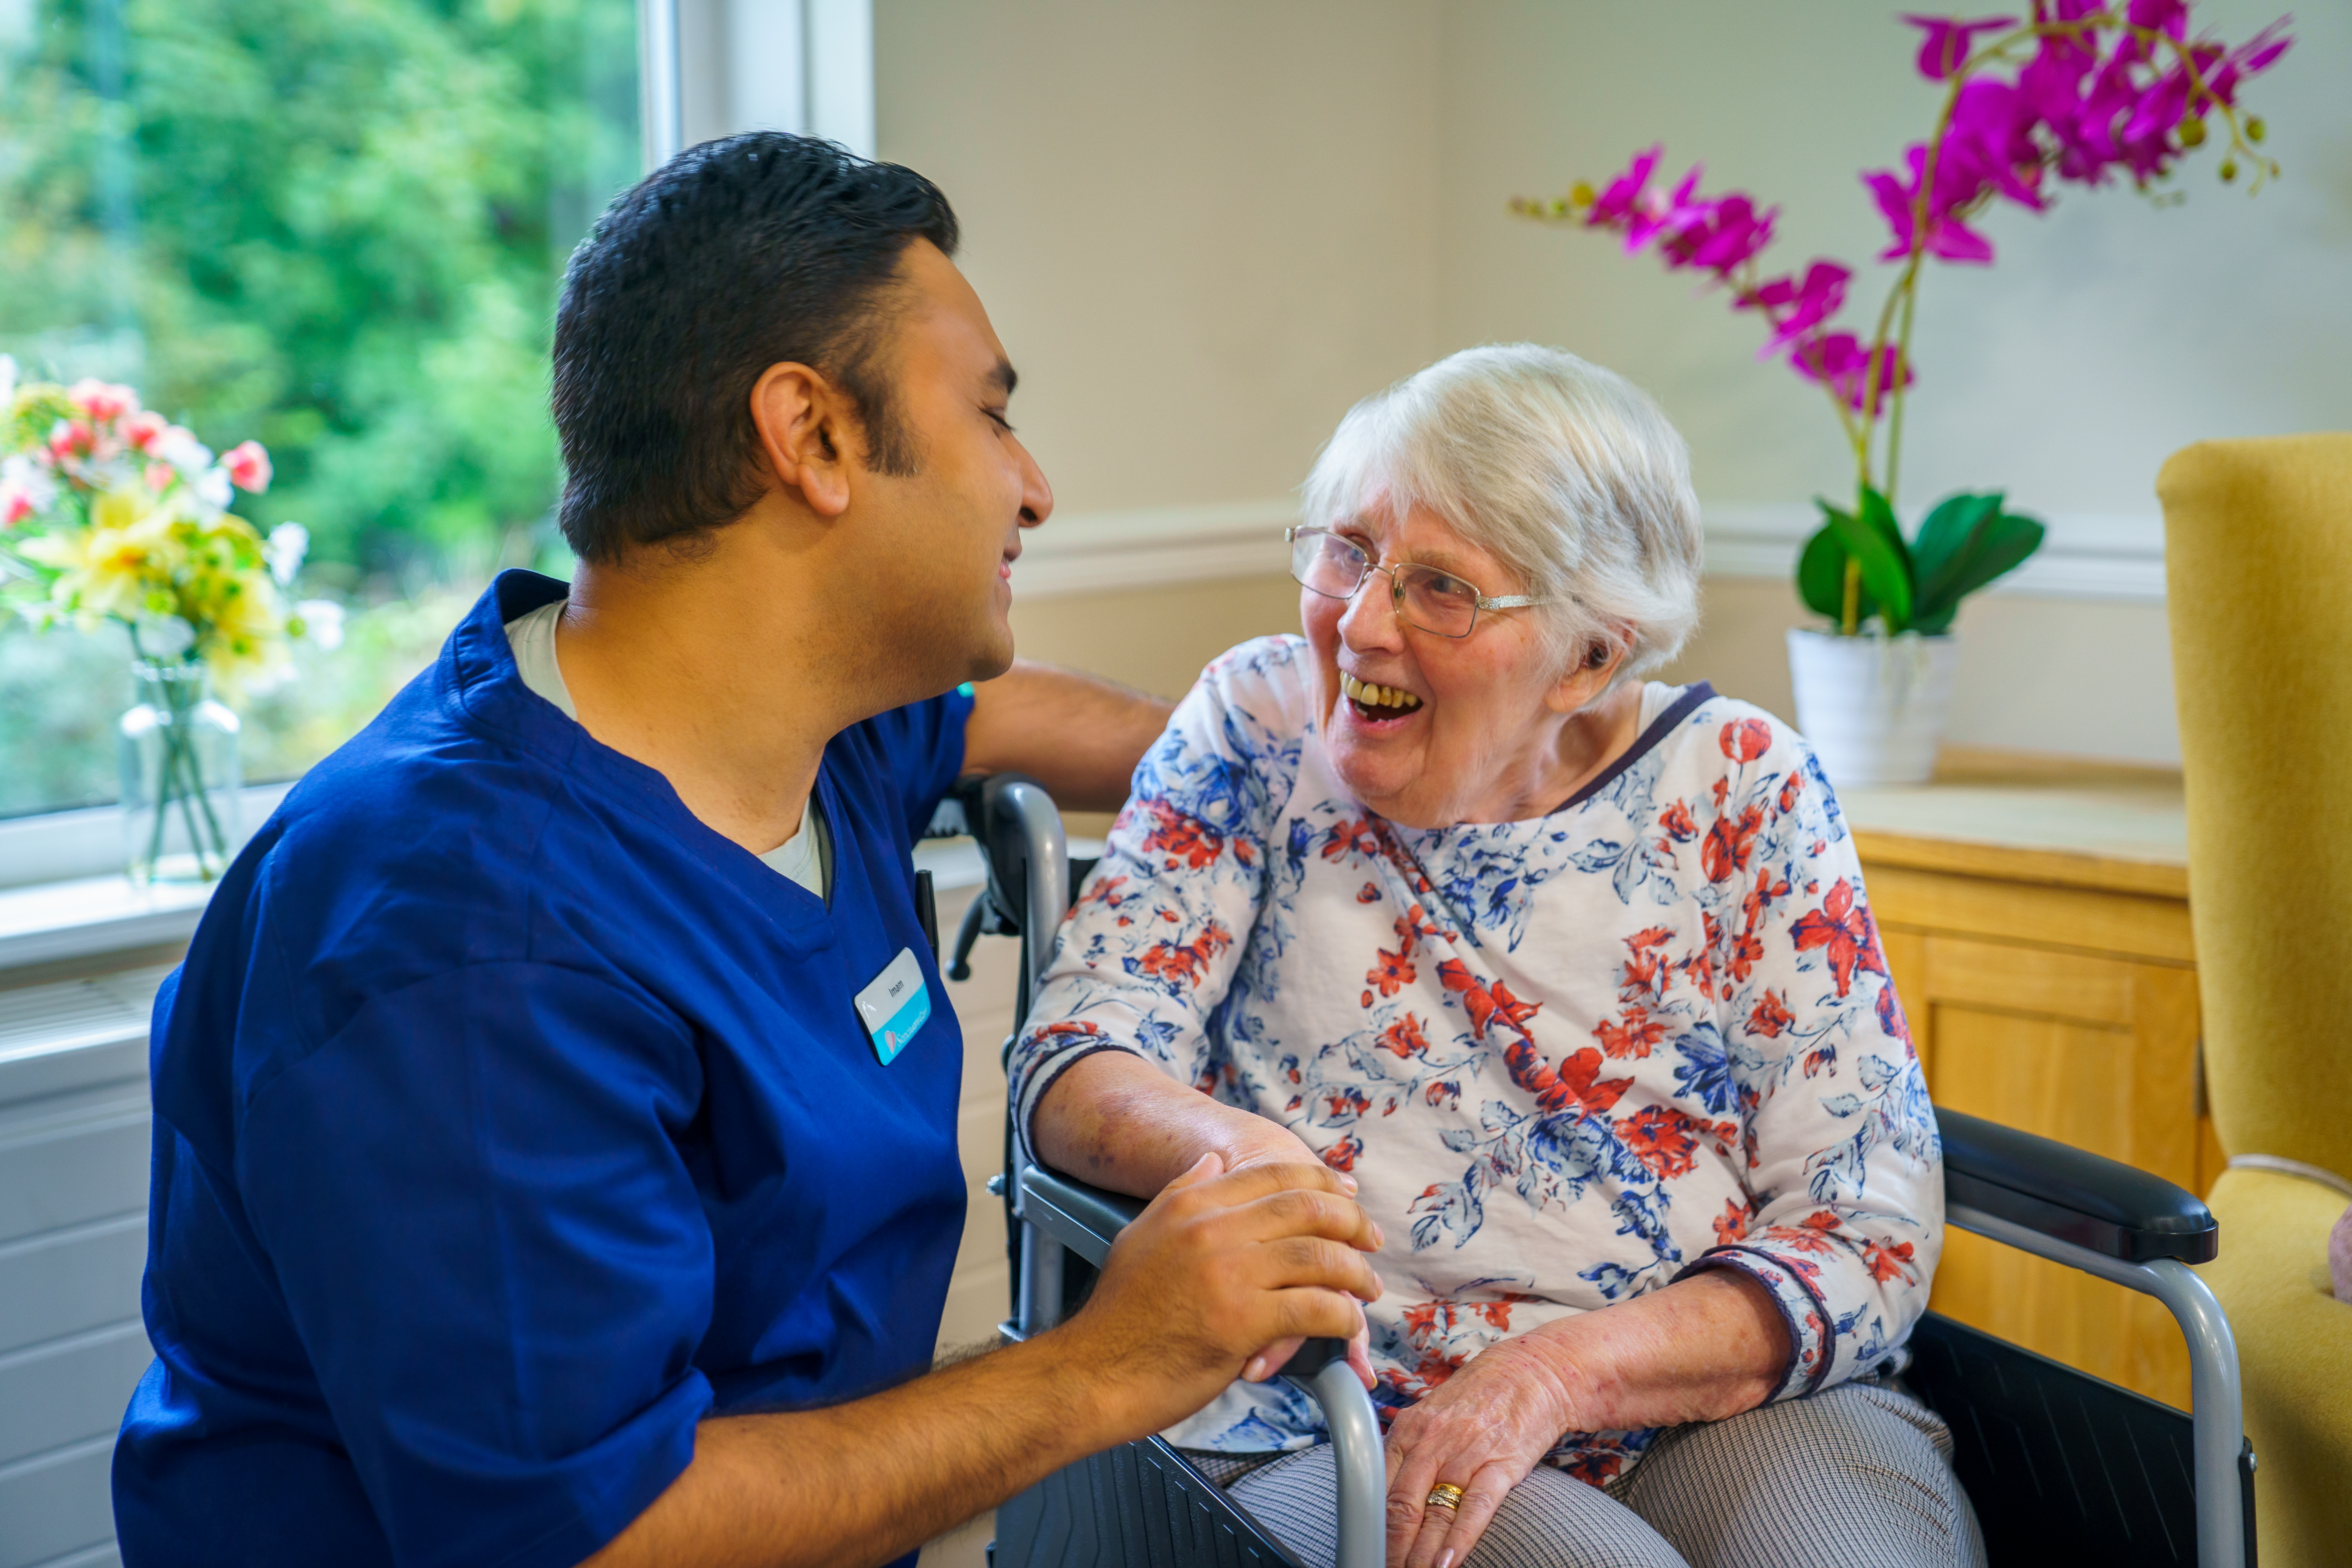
(1222, 1270)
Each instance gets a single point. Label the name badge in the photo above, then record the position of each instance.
(896, 1006)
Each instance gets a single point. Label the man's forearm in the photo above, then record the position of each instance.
(1079, 735)
(865, 1482)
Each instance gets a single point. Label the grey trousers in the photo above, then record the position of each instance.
(1859, 1475)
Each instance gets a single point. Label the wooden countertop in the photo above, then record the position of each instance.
(2027, 817)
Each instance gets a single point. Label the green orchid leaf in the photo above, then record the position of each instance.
(2003, 544)
(1871, 537)
(1821, 573)
(1945, 535)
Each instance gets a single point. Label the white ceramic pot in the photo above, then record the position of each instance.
(1873, 706)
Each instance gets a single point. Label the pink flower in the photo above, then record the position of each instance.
(1946, 237)
(1653, 214)
(1617, 200)
(102, 401)
(1839, 360)
(16, 506)
(248, 466)
(1721, 236)
(1946, 44)
(159, 477)
(1808, 304)
(142, 427)
(71, 438)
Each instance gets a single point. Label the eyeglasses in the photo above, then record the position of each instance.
(1425, 598)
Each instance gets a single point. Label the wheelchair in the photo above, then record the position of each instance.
(2063, 1468)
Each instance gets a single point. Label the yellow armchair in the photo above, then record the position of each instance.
(2258, 563)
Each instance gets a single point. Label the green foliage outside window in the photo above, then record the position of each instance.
(338, 225)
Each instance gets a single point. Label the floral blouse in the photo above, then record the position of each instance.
(1570, 1060)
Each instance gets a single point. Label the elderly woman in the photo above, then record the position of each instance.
(1573, 973)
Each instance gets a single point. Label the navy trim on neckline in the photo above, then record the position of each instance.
(1680, 709)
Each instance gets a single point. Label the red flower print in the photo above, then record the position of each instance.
(1497, 1313)
(1355, 836)
(1068, 1027)
(1577, 1085)
(1106, 893)
(1346, 1104)
(1171, 917)
(1484, 1005)
(1663, 1139)
(1676, 820)
(1342, 1155)
(1745, 740)
(1594, 1470)
(1821, 1219)
(1183, 840)
(1889, 1262)
(1633, 1036)
(1747, 951)
(1891, 1021)
(1731, 1225)
(1770, 1017)
(1820, 1058)
(1644, 973)
(1390, 973)
(1729, 842)
(1443, 1095)
(1790, 790)
(1173, 961)
(1404, 1037)
(1845, 931)
(1368, 894)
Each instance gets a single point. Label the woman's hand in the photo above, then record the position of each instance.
(1482, 1429)
(1707, 1346)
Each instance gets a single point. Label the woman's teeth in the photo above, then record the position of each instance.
(1372, 696)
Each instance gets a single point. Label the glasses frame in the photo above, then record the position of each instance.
(1396, 584)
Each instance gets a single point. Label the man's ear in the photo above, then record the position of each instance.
(804, 424)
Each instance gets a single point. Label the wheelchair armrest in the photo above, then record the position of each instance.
(1087, 1219)
(2072, 1194)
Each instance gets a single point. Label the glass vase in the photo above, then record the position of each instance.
(180, 776)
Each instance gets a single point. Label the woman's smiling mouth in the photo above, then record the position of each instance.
(1376, 704)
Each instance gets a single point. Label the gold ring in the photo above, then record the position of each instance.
(1446, 1495)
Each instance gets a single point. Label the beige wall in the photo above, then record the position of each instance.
(1205, 229)
(1202, 229)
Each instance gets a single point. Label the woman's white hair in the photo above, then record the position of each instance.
(1567, 473)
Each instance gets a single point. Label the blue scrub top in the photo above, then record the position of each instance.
(509, 1122)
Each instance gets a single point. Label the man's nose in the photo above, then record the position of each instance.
(1037, 495)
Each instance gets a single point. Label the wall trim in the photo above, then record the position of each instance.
(2087, 556)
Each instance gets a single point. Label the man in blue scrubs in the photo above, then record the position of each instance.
(530, 1186)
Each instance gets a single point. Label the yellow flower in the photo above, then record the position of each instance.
(241, 627)
(113, 566)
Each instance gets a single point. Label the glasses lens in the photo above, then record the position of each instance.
(1437, 602)
(1326, 563)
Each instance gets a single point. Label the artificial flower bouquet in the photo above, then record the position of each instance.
(111, 512)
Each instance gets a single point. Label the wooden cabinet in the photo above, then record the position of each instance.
(2035, 916)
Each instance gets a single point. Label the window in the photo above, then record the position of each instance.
(336, 226)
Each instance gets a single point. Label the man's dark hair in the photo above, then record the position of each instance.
(734, 256)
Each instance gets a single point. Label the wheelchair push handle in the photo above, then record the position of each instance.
(1086, 1220)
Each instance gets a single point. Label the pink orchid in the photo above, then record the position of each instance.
(2169, 17)
(1653, 215)
(1841, 362)
(1808, 304)
(1946, 44)
(1947, 237)
(1725, 236)
(1616, 201)
(249, 467)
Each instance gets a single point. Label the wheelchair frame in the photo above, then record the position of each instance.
(2105, 1463)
